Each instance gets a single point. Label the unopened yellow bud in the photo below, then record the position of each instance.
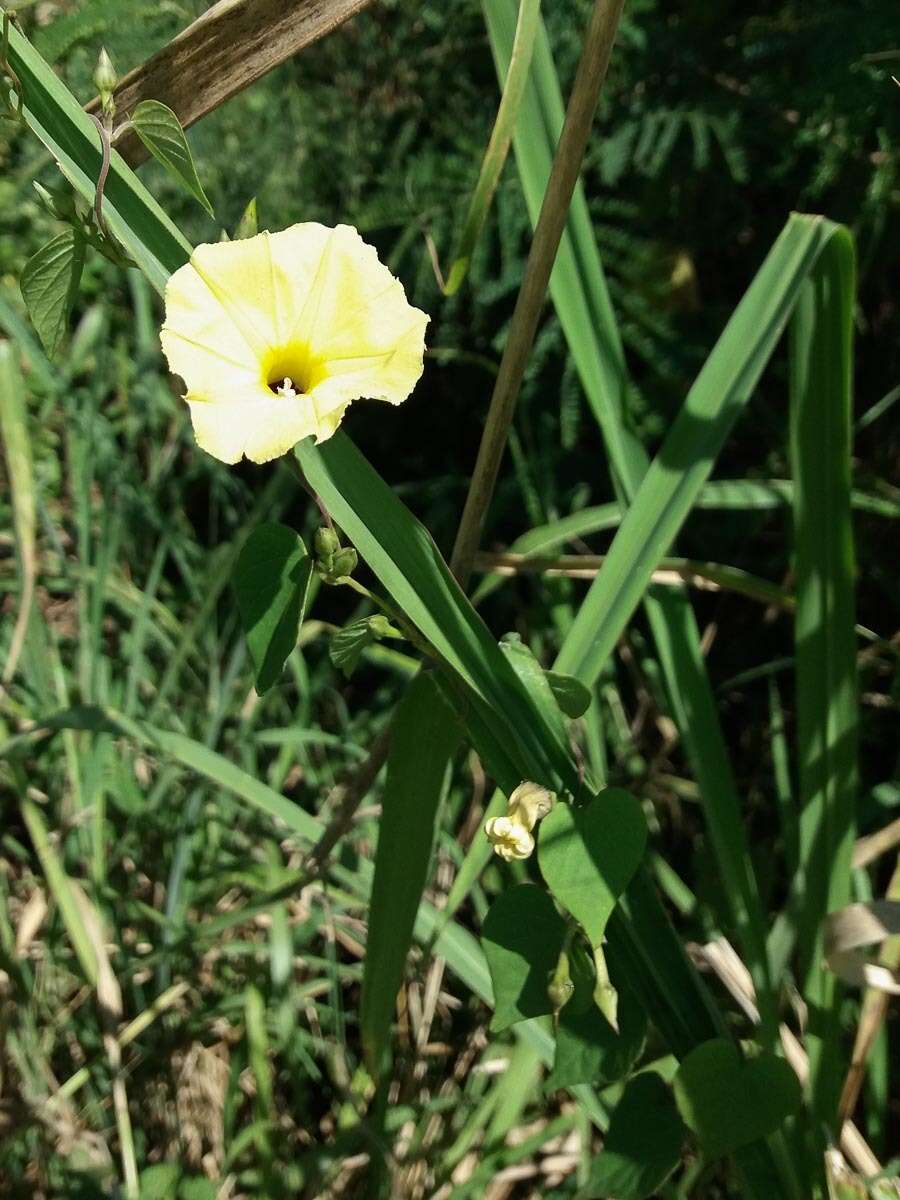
(529, 803)
(511, 835)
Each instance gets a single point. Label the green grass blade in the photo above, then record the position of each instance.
(189, 753)
(424, 736)
(661, 504)
(20, 473)
(725, 495)
(59, 885)
(577, 285)
(673, 482)
(501, 136)
(409, 565)
(827, 714)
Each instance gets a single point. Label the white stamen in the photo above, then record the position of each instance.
(286, 391)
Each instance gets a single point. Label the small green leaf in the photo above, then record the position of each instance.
(49, 285)
(588, 855)
(570, 693)
(161, 132)
(348, 643)
(248, 225)
(271, 579)
(642, 1146)
(728, 1101)
(522, 936)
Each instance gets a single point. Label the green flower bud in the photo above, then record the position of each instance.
(105, 80)
(560, 987)
(605, 995)
(327, 544)
(344, 562)
(584, 975)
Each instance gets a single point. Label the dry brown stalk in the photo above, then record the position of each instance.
(229, 47)
(598, 44)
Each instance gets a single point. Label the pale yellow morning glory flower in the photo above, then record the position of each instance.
(511, 835)
(277, 334)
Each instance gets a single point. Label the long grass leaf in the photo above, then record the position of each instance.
(827, 711)
(424, 735)
(20, 473)
(498, 146)
(724, 495)
(189, 753)
(63, 892)
(406, 560)
(672, 483)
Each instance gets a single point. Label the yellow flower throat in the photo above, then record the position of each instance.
(292, 369)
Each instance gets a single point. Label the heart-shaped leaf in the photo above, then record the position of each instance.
(271, 580)
(642, 1146)
(728, 1101)
(522, 936)
(588, 855)
(49, 285)
(161, 132)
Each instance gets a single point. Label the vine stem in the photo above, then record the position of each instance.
(592, 68)
(409, 631)
(105, 149)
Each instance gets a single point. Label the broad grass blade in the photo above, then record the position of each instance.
(406, 560)
(827, 709)
(673, 482)
(424, 735)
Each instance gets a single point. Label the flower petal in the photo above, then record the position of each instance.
(360, 324)
(261, 429)
(200, 341)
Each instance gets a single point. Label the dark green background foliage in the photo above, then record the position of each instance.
(717, 120)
